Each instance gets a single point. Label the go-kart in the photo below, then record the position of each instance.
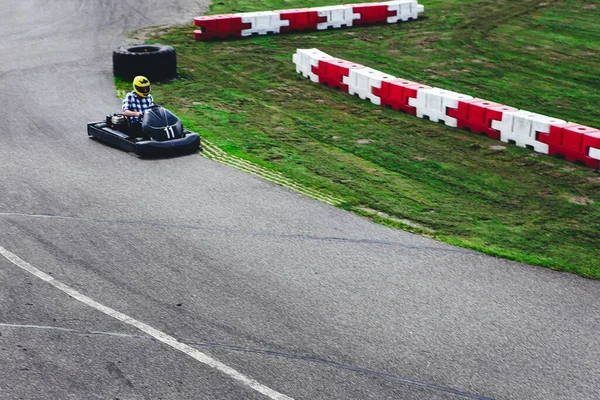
(162, 134)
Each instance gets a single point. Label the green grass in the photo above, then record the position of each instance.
(245, 96)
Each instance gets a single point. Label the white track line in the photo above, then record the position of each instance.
(158, 335)
(57, 328)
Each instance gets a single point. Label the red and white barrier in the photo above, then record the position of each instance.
(577, 143)
(594, 153)
(477, 115)
(403, 10)
(262, 23)
(307, 62)
(302, 19)
(336, 16)
(372, 13)
(397, 94)
(523, 127)
(333, 71)
(363, 81)
(574, 142)
(214, 27)
(434, 104)
(219, 27)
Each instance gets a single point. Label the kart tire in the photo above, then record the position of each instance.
(156, 62)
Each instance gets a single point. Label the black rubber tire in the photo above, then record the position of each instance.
(156, 62)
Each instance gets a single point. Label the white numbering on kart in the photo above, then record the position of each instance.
(170, 132)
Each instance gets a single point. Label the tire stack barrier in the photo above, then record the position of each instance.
(541, 133)
(157, 62)
(215, 27)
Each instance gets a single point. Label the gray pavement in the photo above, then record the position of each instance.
(308, 300)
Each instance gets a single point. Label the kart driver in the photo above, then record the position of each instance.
(136, 103)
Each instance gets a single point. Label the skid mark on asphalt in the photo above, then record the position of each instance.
(447, 249)
(358, 370)
(147, 329)
(212, 152)
(270, 353)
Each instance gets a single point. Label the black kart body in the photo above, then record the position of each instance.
(162, 134)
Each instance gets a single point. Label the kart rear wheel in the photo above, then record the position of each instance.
(157, 62)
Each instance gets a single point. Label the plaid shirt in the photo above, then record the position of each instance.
(136, 103)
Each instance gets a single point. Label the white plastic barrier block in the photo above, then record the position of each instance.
(305, 59)
(263, 22)
(594, 153)
(337, 16)
(405, 10)
(434, 103)
(362, 81)
(522, 127)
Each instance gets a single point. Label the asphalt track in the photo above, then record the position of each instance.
(308, 300)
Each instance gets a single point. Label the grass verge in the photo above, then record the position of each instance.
(245, 97)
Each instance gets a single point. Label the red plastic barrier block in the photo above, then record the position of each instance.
(572, 138)
(573, 141)
(332, 72)
(301, 19)
(477, 116)
(495, 114)
(199, 35)
(564, 139)
(372, 14)
(396, 93)
(553, 139)
(219, 27)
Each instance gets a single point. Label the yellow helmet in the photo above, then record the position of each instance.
(141, 85)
